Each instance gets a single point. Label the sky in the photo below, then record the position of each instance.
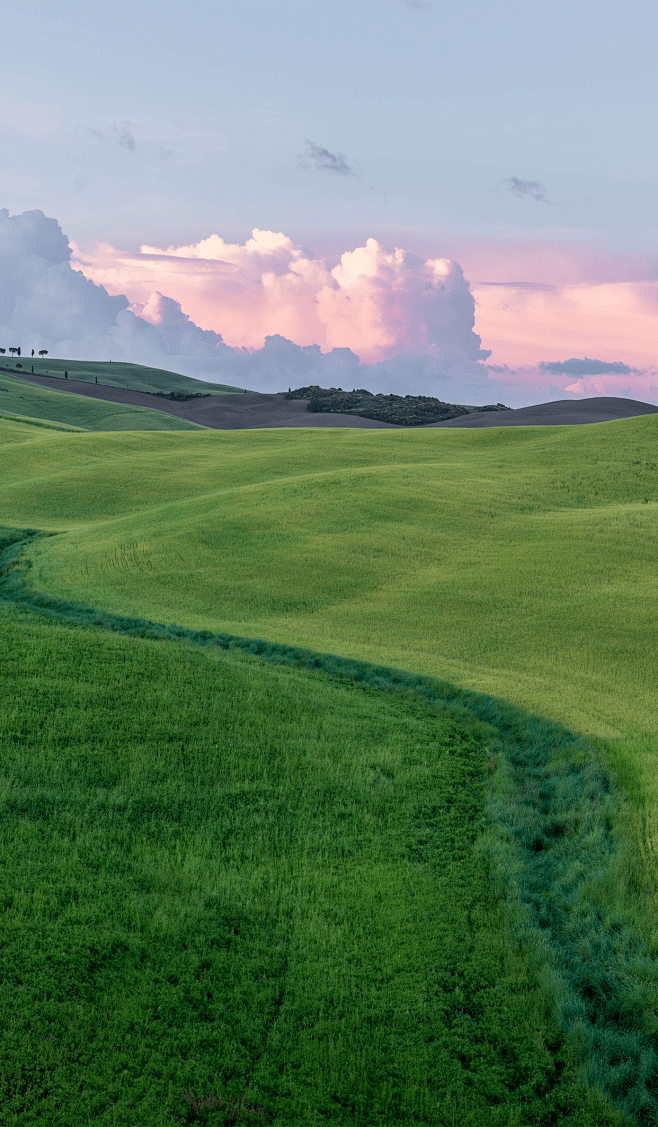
(392, 177)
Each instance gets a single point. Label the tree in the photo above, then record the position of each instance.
(14, 351)
(3, 350)
(42, 352)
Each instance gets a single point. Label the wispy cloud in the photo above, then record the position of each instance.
(124, 136)
(526, 189)
(315, 156)
(520, 285)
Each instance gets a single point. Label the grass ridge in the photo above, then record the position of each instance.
(551, 840)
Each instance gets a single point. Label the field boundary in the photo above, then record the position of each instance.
(550, 845)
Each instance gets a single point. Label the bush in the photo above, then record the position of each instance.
(181, 396)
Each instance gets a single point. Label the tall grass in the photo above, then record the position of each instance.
(550, 847)
(224, 880)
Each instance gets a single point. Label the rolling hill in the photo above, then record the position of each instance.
(514, 561)
(517, 562)
(21, 398)
(136, 377)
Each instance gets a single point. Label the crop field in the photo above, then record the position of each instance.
(517, 562)
(135, 377)
(19, 397)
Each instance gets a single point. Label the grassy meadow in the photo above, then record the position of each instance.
(20, 398)
(517, 562)
(252, 883)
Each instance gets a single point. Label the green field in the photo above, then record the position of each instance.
(226, 877)
(20, 398)
(517, 562)
(134, 377)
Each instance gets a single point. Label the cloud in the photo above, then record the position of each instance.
(417, 5)
(520, 285)
(290, 319)
(586, 367)
(526, 189)
(324, 160)
(593, 386)
(267, 314)
(378, 303)
(124, 136)
(45, 303)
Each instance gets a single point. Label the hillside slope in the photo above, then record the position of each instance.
(561, 412)
(21, 397)
(237, 880)
(521, 560)
(138, 377)
(516, 561)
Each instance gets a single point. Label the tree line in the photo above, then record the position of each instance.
(16, 351)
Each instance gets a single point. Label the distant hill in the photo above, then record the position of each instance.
(21, 399)
(134, 377)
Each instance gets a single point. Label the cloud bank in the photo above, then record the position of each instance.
(376, 302)
(266, 314)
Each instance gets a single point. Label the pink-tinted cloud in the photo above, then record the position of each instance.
(592, 385)
(376, 302)
(531, 304)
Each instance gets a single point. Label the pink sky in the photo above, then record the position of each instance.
(613, 321)
(533, 303)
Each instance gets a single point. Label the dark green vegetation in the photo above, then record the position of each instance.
(409, 410)
(134, 377)
(21, 398)
(182, 396)
(405, 410)
(231, 877)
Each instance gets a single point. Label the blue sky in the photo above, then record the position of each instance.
(516, 138)
(159, 122)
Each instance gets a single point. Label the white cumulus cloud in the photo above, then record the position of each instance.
(264, 314)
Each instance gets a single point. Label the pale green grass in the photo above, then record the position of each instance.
(519, 561)
(20, 397)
